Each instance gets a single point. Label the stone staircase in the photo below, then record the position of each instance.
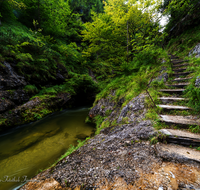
(179, 141)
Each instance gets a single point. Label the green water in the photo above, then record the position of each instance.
(27, 149)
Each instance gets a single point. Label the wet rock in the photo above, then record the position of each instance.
(81, 136)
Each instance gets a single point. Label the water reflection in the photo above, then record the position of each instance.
(26, 149)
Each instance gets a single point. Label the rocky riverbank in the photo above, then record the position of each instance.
(121, 157)
(19, 99)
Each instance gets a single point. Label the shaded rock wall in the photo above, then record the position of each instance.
(16, 108)
(11, 88)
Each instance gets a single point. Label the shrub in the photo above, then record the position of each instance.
(31, 89)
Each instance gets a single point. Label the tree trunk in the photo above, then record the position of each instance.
(39, 18)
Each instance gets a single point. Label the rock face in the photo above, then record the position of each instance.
(12, 98)
(102, 106)
(32, 110)
(132, 110)
(9, 78)
(11, 88)
(195, 51)
(163, 77)
(120, 157)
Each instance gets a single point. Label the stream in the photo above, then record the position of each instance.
(26, 150)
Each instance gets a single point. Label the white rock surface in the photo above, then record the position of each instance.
(196, 51)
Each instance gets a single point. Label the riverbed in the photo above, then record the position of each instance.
(28, 149)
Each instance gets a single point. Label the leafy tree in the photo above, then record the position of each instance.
(178, 9)
(123, 24)
(84, 7)
(54, 18)
(6, 7)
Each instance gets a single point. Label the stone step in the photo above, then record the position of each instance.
(180, 65)
(171, 99)
(173, 56)
(172, 107)
(177, 153)
(178, 120)
(184, 138)
(179, 61)
(180, 70)
(181, 79)
(181, 74)
(179, 85)
(177, 91)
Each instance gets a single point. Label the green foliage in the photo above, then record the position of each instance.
(3, 121)
(154, 140)
(158, 137)
(194, 94)
(84, 7)
(52, 18)
(6, 8)
(178, 9)
(73, 148)
(39, 111)
(31, 89)
(88, 120)
(125, 120)
(37, 55)
(108, 112)
(181, 45)
(195, 129)
(108, 38)
(132, 84)
(98, 120)
(72, 86)
(148, 56)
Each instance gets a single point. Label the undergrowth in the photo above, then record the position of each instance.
(193, 91)
(182, 44)
(31, 89)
